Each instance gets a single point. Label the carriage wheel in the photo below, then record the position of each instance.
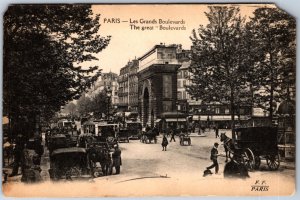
(257, 162)
(273, 161)
(249, 159)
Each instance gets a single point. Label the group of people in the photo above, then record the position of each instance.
(27, 156)
(165, 142)
(213, 153)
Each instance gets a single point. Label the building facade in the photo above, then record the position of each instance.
(106, 81)
(133, 86)
(128, 87)
(157, 83)
(123, 88)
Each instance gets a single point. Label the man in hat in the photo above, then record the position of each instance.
(18, 155)
(214, 157)
(117, 161)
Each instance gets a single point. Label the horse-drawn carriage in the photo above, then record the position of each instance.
(100, 158)
(185, 139)
(134, 129)
(69, 163)
(57, 141)
(98, 150)
(149, 136)
(123, 135)
(108, 133)
(249, 146)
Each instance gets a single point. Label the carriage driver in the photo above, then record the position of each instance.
(214, 157)
(117, 161)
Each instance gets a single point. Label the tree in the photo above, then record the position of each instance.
(101, 104)
(273, 33)
(71, 109)
(218, 73)
(45, 50)
(84, 105)
(97, 104)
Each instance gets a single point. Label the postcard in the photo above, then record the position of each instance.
(139, 100)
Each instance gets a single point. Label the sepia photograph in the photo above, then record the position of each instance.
(148, 100)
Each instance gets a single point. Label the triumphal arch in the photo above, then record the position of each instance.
(157, 83)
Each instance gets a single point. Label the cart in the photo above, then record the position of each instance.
(260, 143)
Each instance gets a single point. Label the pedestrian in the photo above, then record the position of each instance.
(217, 131)
(39, 150)
(214, 157)
(117, 160)
(172, 135)
(164, 143)
(18, 156)
(203, 128)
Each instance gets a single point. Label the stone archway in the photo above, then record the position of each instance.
(146, 106)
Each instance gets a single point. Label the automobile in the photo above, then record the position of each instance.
(70, 164)
(134, 129)
(108, 133)
(123, 135)
(57, 141)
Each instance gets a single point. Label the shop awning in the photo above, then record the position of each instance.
(218, 117)
(157, 121)
(200, 117)
(175, 120)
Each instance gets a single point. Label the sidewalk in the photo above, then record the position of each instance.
(287, 164)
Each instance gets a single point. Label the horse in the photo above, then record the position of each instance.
(150, 135)
(103, 157)
(228, 145)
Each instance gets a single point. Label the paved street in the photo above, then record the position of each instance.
(180, 167)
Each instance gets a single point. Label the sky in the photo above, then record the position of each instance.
(127, 44)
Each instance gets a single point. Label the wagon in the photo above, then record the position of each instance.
(148, 137)
(259, 143)
(57, 141)
(135, 129)
(107, 133)
(185, 138)
(99, 155)
(123, 135)
(70, 164)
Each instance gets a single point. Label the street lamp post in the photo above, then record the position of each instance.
(108, 93)
(176, 114)
(199, 123)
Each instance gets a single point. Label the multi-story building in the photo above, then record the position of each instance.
(106, 81)
(155, 86)
(210, 113)
(123, 88)
(128, 87)
(157, 82)
(133, 86)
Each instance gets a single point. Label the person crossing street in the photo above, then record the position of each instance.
(173, 135)
(214, 157)
(164, 143)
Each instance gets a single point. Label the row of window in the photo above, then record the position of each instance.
(182, 95)
(181, 83)
(161, 55)
(223, 110)
(182, 74)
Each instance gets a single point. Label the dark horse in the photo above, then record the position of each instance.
(101, 155)
(228, 145)
(149, 136)
(236, 167)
